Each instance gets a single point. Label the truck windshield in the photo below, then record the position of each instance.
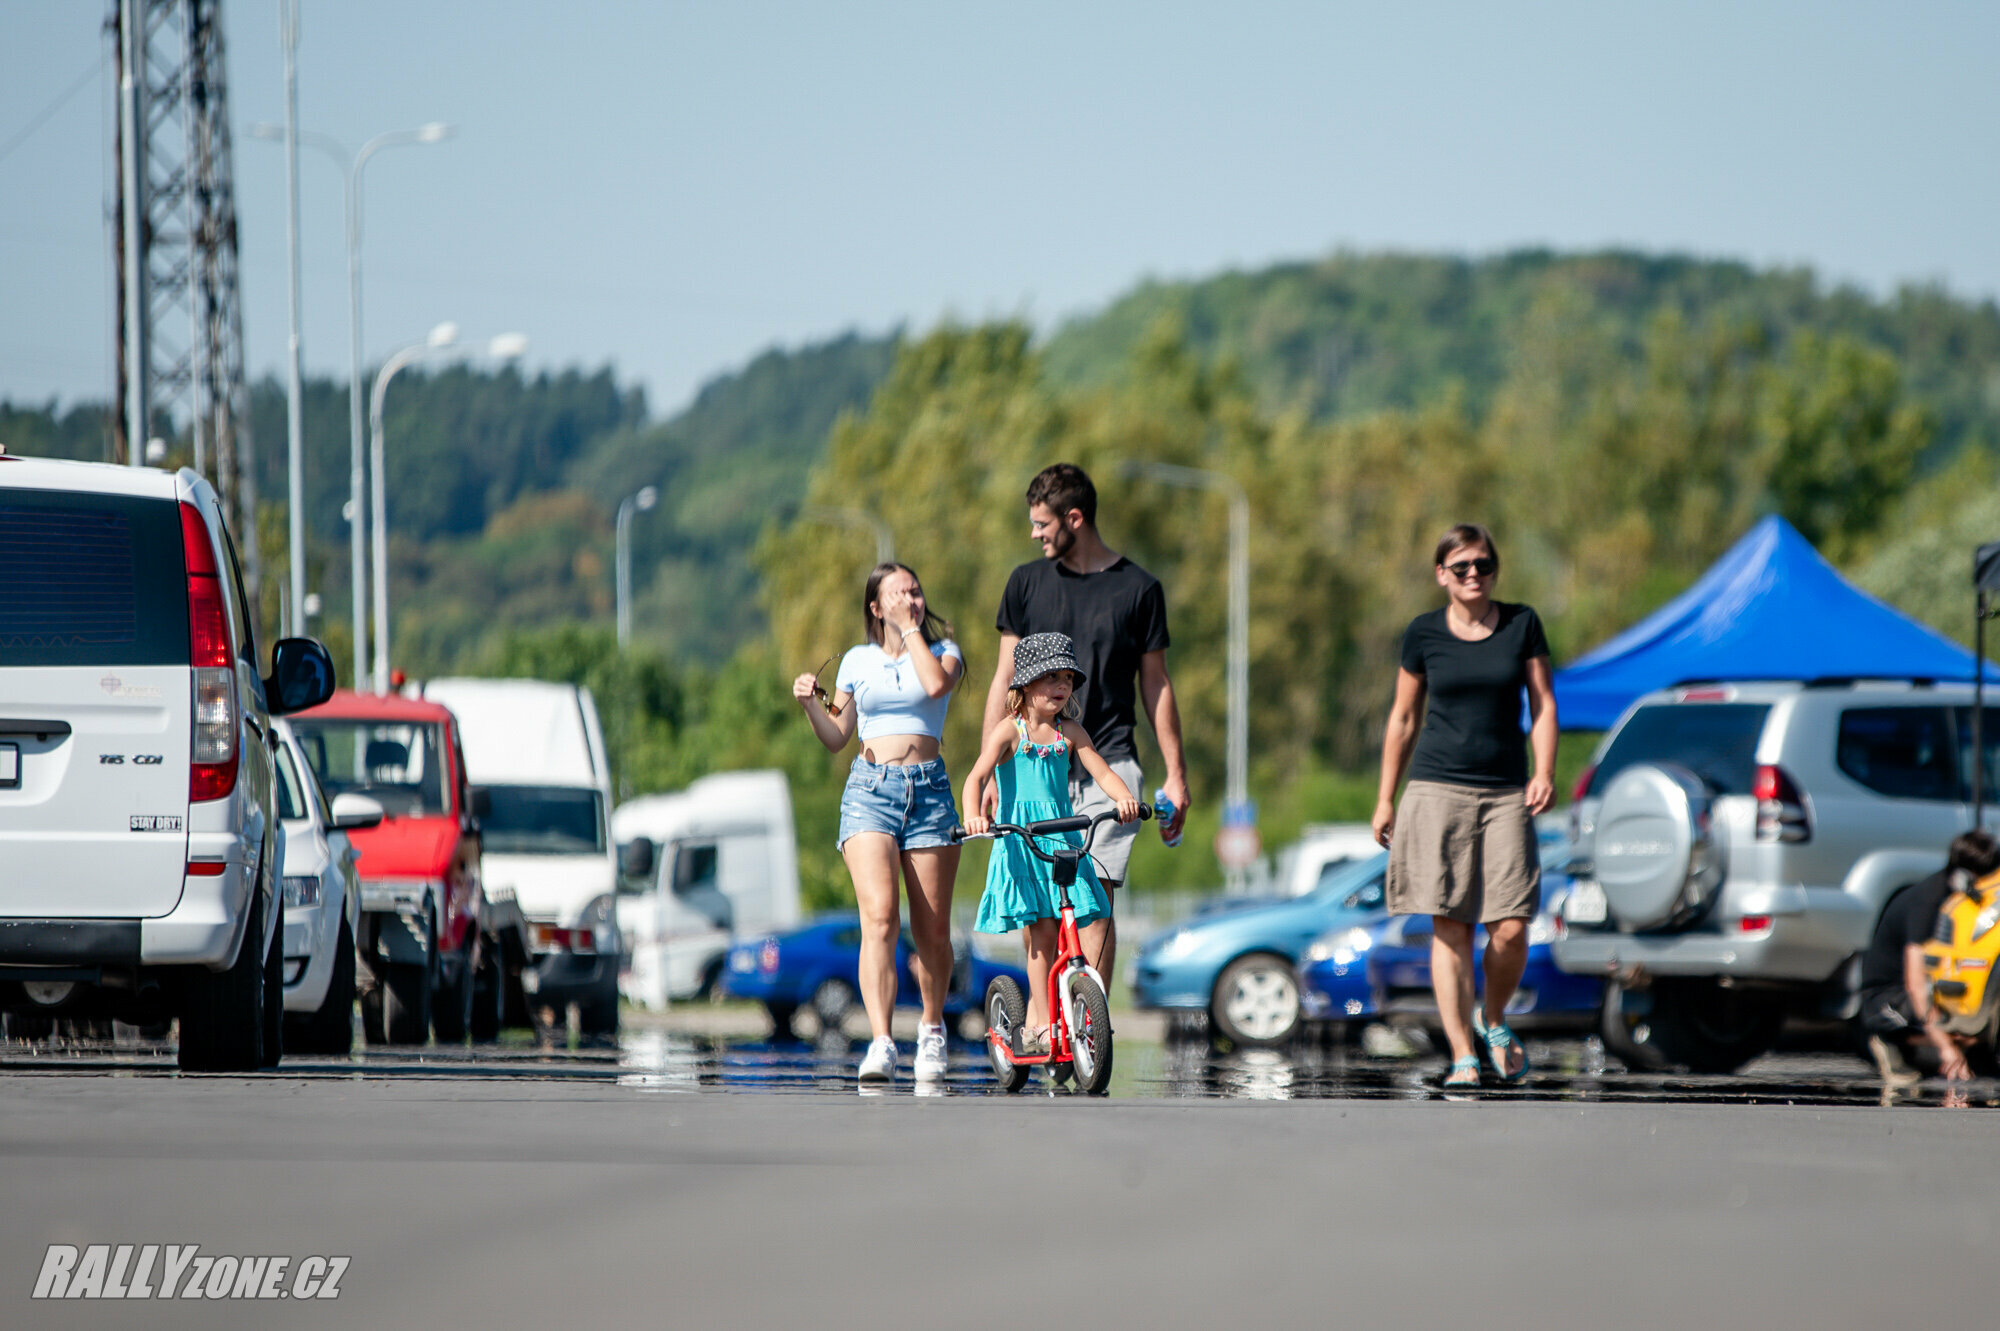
(542, 820)
(399, 764)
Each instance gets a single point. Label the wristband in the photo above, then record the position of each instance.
(905, 635)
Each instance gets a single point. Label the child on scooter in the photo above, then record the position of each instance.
(1030, 753)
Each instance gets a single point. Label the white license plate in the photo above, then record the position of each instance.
(10, 765)
(1586, 903)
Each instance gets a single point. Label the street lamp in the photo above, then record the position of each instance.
(507, 346)
(1236, 800)
(350, 165)
(641, 501)
(861, 518)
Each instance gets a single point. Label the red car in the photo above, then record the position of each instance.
(432, 952)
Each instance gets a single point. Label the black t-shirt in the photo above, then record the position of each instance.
(1113, 617)
(1472, 731)
(1908, 920)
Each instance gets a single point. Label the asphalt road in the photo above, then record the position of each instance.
(645, 1187)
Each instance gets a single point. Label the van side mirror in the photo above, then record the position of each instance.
(636, 859)
(481, 800)
(301, 676)
(353, 811)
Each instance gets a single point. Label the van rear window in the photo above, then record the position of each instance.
(1715, 741)
(91, 580)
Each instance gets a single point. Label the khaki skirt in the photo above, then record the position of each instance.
(1466, 852)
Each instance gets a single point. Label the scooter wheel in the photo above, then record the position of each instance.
(1090, 1042)
(1006, 1009)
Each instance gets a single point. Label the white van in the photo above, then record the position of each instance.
(715, 861)
(536, 751)
(1322, 850)
(140, 844)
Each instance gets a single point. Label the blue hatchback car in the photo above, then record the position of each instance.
(1240, 963)
(818, 966)
(1399, 965)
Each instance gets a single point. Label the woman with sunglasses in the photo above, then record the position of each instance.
(1462, 847)
(897, 810)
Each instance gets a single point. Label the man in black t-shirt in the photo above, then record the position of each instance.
(1896, 1010)
(1116, 615)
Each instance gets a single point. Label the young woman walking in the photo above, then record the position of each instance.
(1462, 846)
(897, 811)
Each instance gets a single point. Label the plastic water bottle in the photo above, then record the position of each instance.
(1163, 813)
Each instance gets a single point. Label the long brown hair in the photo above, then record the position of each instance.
(934, 627)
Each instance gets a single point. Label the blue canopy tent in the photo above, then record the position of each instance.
(1770, 608)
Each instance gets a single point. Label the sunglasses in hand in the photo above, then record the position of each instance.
(1485, 567)
(819, 690)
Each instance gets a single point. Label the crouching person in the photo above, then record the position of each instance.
(1896, 1012)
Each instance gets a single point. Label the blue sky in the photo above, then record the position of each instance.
(670, 188)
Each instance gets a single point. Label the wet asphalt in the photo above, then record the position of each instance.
(691, 1179)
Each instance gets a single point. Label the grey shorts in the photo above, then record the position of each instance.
(1464, 852)
(1111, 848)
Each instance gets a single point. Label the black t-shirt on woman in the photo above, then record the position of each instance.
(1472, 730)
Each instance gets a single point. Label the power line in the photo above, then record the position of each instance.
(48, 113)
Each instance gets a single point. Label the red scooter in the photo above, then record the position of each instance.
(1079, 1013)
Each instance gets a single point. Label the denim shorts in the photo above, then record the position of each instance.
(911, 802)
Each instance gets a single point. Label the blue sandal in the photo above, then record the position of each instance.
(1499, 1041)
(1459, 1068)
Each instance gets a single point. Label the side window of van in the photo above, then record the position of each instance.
(246, 642)
(694, 868)
(1904, 752)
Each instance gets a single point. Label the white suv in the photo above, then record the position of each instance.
(1735, 845)
(138, 813)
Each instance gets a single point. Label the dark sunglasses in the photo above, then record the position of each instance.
(819, 690)
(1484, 567)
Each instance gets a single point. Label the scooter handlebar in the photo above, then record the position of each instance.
(1076, 822)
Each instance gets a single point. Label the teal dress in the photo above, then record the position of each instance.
(1034, 784)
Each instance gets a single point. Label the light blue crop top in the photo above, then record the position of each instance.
(888, 693)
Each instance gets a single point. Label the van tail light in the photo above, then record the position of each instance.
(1582, 786)
(212, 761)
(1781, 810)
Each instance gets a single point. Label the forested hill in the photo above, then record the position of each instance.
(503, 487)
(1355, 334)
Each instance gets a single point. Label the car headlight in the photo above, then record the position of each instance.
(1179, 945)
(1340, 945)
(1987, 918)
(301, 890)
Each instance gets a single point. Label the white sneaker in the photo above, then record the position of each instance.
(930, 1060)
(879, 1063)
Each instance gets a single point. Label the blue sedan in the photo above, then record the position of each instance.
(1239, 964)
(818, 966)
(1399, 966)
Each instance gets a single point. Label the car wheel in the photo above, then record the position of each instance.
(597, 1018)
(489, 994)
(222, 1012)
(781, 1019)
(831, 1003)
(451, 1007)
(406, 994)
(1256, 1001)
(274, 998)
(330, 1030)
(1695, 1025)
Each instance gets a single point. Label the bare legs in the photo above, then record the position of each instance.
(1040, 938)
(1100, 936)
(1451, 976)
(928, 875)
(872, 860)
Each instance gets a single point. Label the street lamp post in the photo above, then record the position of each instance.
(350, 175)
(295, 426)
(507, 346)
(640, 501)
(1236, 801)
(860, 518)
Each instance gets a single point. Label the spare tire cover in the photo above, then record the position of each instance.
(1656, 856)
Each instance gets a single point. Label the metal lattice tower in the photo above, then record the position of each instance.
(180, 314)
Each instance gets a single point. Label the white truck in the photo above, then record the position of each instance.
(1322, 849)
(536, 751)
(706, 864)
